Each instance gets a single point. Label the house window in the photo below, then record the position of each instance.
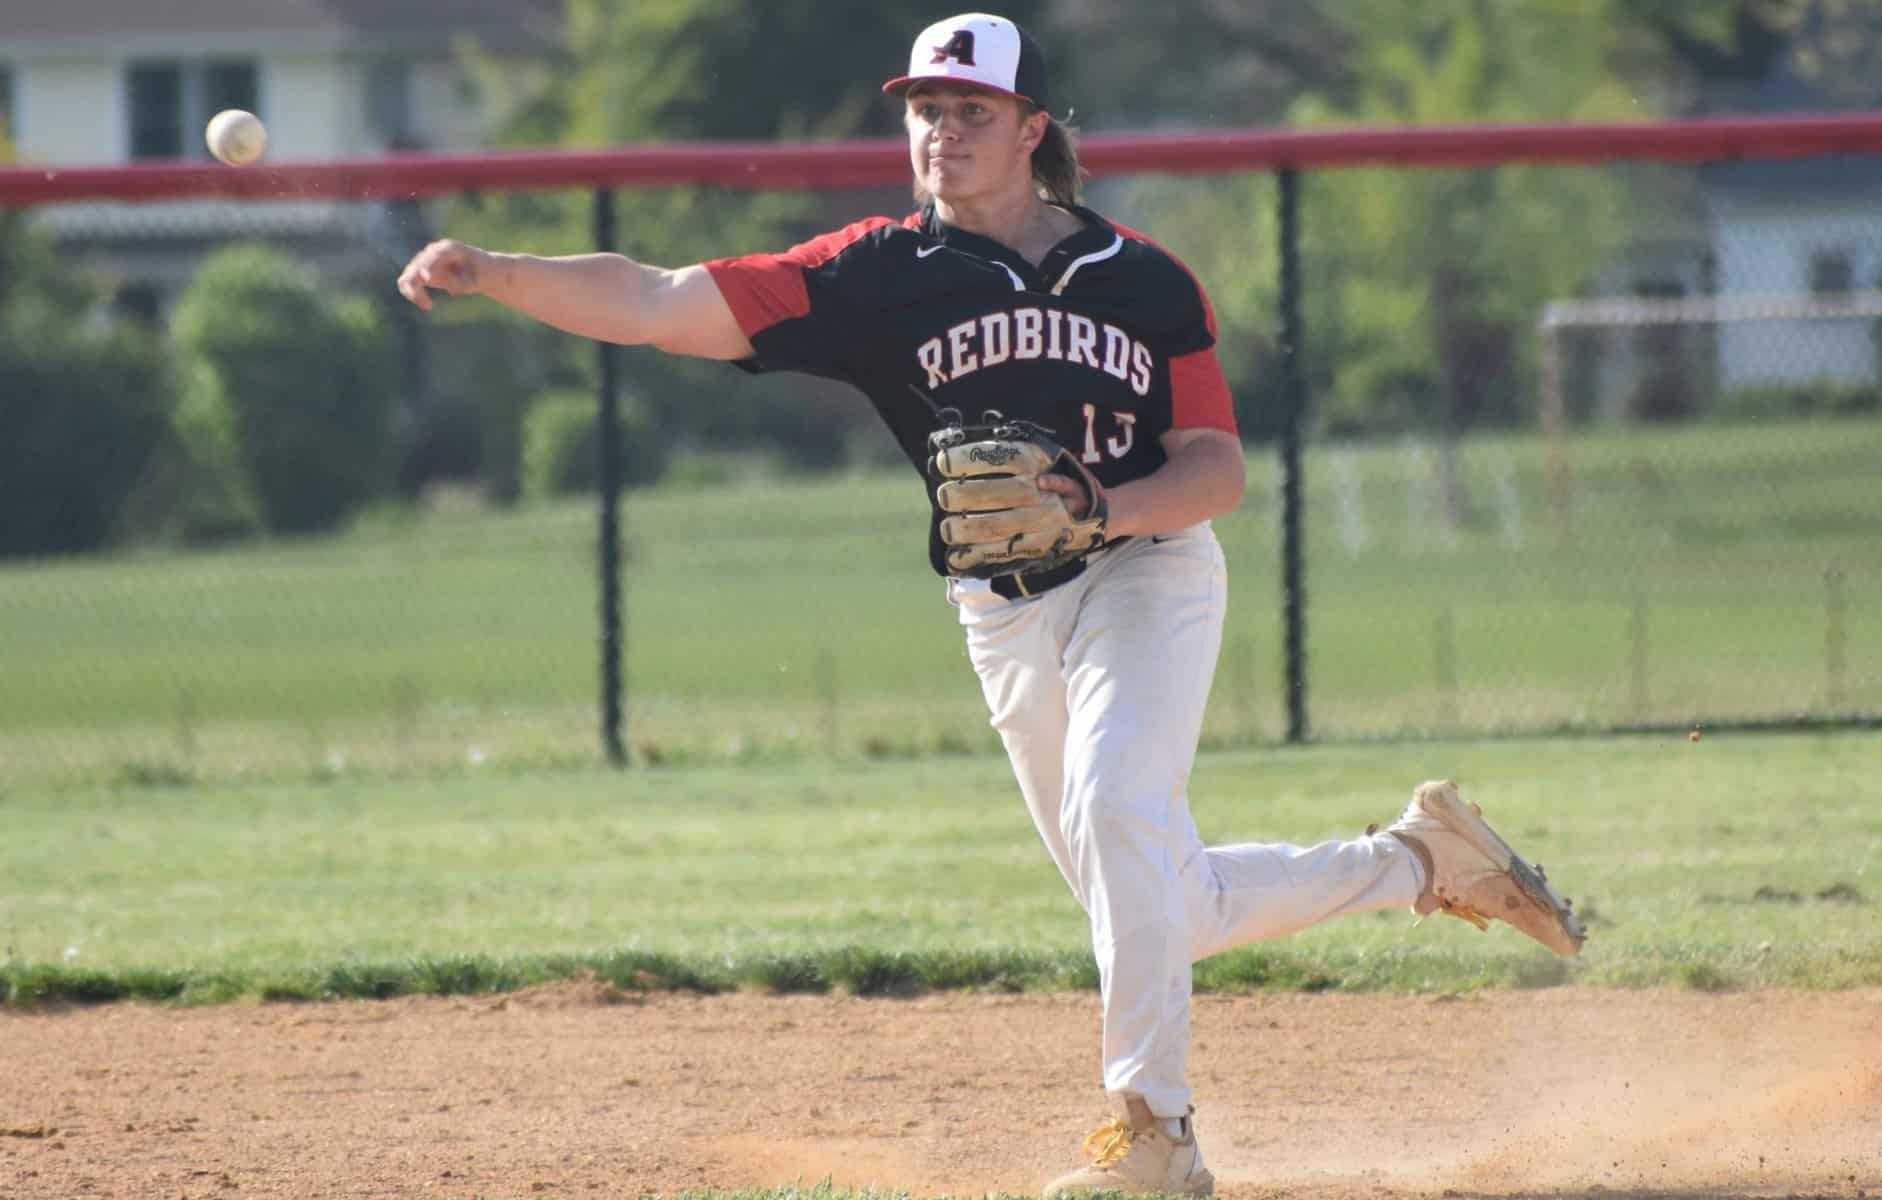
(389, 101)
(156, 95)
(171, 102)
(229, 85)
(1832, 271)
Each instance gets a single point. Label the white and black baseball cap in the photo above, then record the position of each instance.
(986, 51)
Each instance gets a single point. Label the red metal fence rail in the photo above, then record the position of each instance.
(823, 165)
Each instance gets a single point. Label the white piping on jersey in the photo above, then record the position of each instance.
(1019, 285)
(1058, 289)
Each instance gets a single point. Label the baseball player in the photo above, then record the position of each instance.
(1052, 377)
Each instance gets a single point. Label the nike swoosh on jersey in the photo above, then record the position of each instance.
(925, 251)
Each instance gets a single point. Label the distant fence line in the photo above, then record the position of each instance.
(1288, 154)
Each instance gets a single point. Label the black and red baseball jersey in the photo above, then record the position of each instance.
(1108, 343)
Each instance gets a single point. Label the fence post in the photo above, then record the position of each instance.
(1554, 417)
(608, 472)
(1294, 407)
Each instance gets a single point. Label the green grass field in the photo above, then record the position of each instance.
(1737, 860)
(1702, 573)
(365, 767)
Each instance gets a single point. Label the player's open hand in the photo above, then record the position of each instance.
(453, 267)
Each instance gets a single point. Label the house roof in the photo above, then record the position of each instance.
(132, 26)
(1800, 80)
(1831, 181)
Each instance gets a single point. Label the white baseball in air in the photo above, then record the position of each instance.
(236, 137)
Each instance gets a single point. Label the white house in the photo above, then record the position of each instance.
(1805, 234)
(99, 82)
(1811, 230)
(1768, 275)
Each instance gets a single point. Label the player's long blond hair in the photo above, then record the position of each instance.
(1056, 172)
(1055, 166)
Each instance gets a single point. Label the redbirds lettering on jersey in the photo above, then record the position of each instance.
(1108, 341)
(1031, 332)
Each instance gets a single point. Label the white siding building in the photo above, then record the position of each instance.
(1808, 231)
(1769, 279)
(1798, 230)
(101, 82)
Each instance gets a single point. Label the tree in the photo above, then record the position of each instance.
(1710, 42)
(1242, 62)
(1721, 51)
(1421, 285)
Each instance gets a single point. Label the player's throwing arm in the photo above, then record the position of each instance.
(608, 297)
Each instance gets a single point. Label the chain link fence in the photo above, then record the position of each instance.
(1588, 448)
(1648, 494)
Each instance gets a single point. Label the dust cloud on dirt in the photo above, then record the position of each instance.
(582, 1090)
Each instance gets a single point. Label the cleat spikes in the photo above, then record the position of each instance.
(1473, 874)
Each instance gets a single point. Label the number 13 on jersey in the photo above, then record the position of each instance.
(1116, 447)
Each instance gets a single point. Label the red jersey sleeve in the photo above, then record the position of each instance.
(1199, 393)
(791, 305)
(761, 289)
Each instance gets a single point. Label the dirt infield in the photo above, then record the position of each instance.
(579, 1090)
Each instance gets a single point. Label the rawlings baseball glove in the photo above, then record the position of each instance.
(994, 519)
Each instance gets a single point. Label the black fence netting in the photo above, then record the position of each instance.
(1585, 447)
(1588, 447)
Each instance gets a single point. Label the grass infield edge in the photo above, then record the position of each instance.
(866, 971)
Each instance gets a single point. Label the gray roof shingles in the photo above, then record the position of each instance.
(500, 21)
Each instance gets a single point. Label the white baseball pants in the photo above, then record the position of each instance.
(1097, 689)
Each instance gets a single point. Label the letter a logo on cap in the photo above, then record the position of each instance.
(980, 50)
(960, 48)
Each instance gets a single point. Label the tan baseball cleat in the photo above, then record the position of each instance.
(1472, 874)
(1132, 1154)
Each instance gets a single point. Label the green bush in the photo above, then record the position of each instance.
(84, 417)
(560, 444)
(1810, 398)
(480, 373)
(301, 387)
(204, 493)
